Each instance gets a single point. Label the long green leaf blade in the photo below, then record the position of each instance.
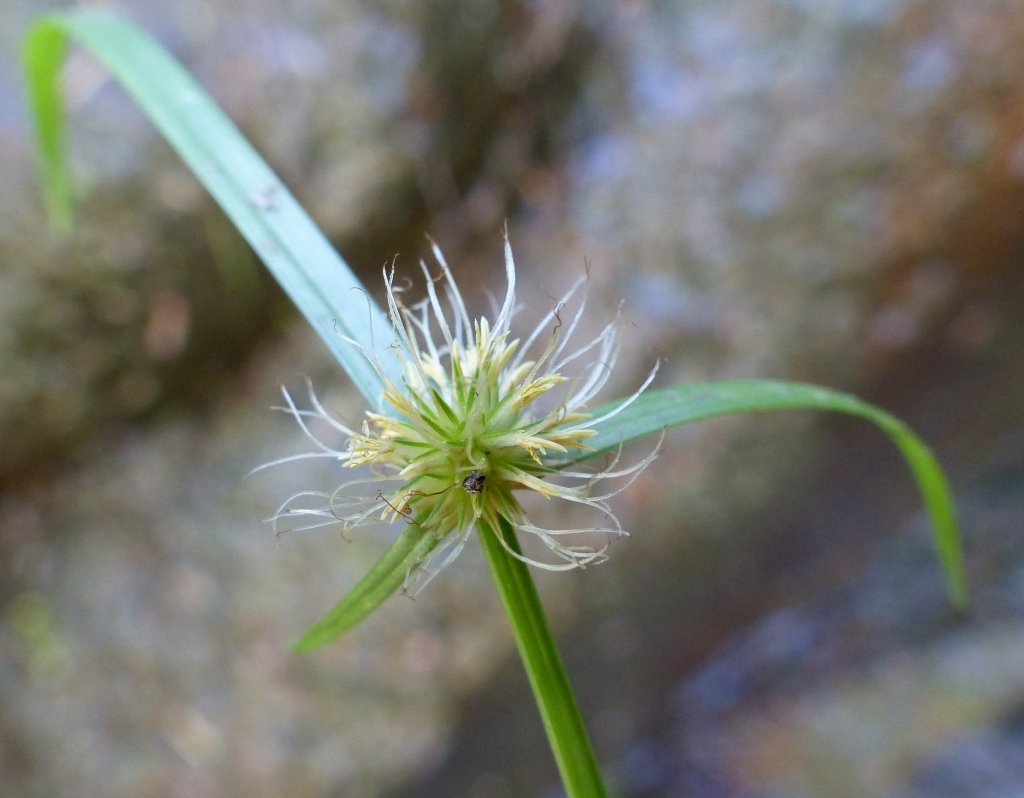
(656, 410)
(559, 712)
(384, 578)
(272, 221)
(43, 55)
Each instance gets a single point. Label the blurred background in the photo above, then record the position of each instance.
(823, 190)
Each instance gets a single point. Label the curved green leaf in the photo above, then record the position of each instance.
(387, 575)
(655, 410)
(272, 221)
(43, 56)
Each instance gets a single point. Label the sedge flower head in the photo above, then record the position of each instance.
(474, 421)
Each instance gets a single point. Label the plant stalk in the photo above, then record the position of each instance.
(559, 712)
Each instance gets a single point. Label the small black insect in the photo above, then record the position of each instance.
(474, 483)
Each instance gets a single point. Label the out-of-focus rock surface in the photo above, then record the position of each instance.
(781, 189)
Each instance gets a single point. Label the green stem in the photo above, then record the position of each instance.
(563, 723)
